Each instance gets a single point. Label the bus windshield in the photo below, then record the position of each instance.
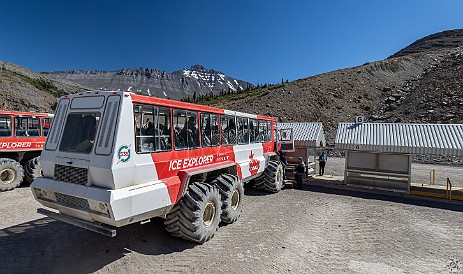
(79, 132)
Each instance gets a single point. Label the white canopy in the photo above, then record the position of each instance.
(441, 139)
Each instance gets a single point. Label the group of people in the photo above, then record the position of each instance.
(300, 170)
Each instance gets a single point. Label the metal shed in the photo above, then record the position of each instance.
(306, 138)
(380, 154)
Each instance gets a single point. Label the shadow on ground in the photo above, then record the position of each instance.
(49, 246)
(374, 196)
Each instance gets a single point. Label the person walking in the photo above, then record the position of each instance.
(284, 162)
(300, 172)
(322, 162)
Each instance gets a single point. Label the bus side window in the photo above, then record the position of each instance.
(33, 128)
(269, 131)
(5, 126)
(262, 131)
(232, 130)
(144, 130)
(246, 130)
(215, 139)
(192, 126)
(185, 129)
(46, 122)
(206, 129)
(239, 129)
(137, 122)
(163, 140)
(224, 129)
(243, 133)
(179, 118)
(252, 130)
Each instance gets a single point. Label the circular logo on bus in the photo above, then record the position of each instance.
(123, 153)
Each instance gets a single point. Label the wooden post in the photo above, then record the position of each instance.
(346, 160)
(315, 160)
(410, 158)
(432, 177)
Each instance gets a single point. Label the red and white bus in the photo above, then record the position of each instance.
(22, 137)
(116, 158)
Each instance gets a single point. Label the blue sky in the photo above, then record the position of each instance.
(256, 41)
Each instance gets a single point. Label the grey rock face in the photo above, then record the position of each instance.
(24, 90)
(176, 85)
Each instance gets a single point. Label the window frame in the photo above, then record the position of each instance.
(228, 119)
(197, 124)
(141, 112)
(264, 131)
(97, 118)
(253, 131)
(155, 111)
(44, 121)
(209, 115)
(269, 131)
(28, 123)
(10, 125)
(244, 131)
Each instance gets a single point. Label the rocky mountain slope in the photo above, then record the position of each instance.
(422, 83)
(22, 89)
(194, 81)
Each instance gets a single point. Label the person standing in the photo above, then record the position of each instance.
(322, 162)
(284, 162)
(300, 172)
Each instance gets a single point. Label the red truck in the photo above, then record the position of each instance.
(22, 137)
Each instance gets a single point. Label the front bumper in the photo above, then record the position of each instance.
(114, 207)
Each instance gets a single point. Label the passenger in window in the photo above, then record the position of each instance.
(88, 135)
(207, 132)
(147, 123)
(179, 140)
(149, 128)
(192, 125)
(232, 131)
(186, 135)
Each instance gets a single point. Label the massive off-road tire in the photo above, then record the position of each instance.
(32, 170)
(232, 192)
(259, 182)
(11, 174)
(196, 216)
(272, 177)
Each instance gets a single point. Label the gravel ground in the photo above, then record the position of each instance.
(314, 230)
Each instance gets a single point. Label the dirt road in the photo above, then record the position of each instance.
(313, 230)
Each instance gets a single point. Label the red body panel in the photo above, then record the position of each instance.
(15, 143)
(168, 164)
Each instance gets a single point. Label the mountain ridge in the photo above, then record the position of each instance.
(187, 82)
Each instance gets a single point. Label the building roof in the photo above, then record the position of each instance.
(305, 134)
(440, 139)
